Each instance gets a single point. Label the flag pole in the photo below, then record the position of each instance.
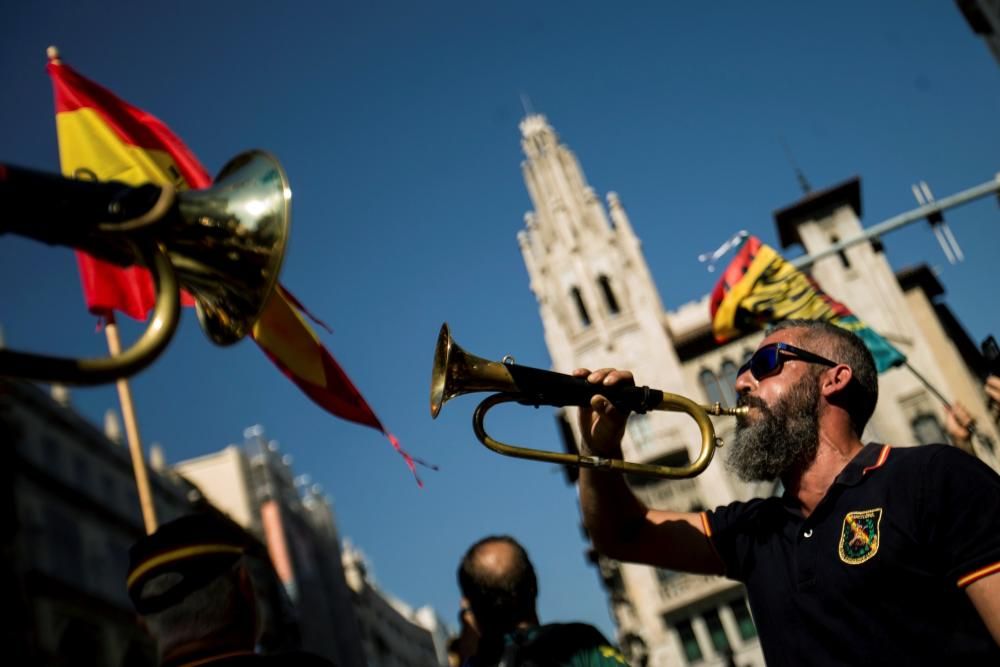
(125, 399)
(971, 427)
(132, 431)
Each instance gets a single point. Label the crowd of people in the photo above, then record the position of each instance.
(875, 553)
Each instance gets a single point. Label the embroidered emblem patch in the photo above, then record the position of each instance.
(859, 536)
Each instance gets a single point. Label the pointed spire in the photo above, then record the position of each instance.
(60, 394)
(112, 426)
(526, 105)
(157, 459)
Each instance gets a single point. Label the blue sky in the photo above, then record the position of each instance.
(397, 124)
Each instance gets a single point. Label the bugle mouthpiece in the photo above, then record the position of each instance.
(716, 410)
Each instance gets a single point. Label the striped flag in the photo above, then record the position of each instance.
(102, 137)
(759, 287)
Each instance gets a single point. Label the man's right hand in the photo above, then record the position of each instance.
(620, 526)
(602, 424)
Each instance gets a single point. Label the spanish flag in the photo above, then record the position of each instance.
(759, 287)
(102, 137)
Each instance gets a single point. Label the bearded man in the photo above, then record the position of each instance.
(874, 554)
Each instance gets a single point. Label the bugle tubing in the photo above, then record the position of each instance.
(457, 372)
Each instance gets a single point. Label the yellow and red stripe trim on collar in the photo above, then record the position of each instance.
(880, 461)
(973, 577)
(705, 526)
(180, 554)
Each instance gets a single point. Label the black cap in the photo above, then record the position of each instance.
(198, 547)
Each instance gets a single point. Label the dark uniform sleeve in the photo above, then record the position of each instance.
(727, 526)
(961, 505)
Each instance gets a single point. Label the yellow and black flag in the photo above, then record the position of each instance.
(759, 287)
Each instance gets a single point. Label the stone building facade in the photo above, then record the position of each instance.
(393, 633)
(254, 484)
(70, 511)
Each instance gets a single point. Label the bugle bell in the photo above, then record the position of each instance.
(457, 372)
(224, 245)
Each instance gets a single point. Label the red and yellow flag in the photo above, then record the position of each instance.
(102, 137)
(759, 288)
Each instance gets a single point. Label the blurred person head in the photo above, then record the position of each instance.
(499, 587)
(190, 581)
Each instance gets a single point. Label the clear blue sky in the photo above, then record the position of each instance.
(397, 124)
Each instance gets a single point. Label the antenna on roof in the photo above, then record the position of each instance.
(526, 105)
(799, 175)
(713, 257)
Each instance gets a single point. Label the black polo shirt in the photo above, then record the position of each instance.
(876, 575)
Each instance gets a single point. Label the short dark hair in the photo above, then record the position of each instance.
(499, 600)
(845, 347)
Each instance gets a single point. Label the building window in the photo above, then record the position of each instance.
(729, 374)
(81, 471)
(927, 429)
(718, 633)
(664, 577)
(65, 546)
(50, 449)
(710, 384)
(743, 619)
(689, 642)
(609, 295)
(581, 308)
(846, 263)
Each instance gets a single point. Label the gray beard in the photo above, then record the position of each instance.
(780, 439)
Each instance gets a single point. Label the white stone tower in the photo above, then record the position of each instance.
(600, 307)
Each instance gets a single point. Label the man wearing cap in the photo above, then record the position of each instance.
(190, 582)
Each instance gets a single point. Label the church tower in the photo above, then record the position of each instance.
(600, 307)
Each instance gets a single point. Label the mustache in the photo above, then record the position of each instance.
(748, 401)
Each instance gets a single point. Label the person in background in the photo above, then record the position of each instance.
(959, 418)
(190, 583)
(499, 589)
(464, 644)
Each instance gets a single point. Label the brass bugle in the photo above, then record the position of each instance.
(224, 245)
(457, 372)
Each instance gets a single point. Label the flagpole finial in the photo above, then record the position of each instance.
(53, 54)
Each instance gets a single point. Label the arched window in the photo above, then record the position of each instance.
(729, 371)
(580, 306)
(609, 295)
(927, 429)
(710, 384)
(846, 263)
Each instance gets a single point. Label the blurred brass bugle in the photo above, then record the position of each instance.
(224, 245)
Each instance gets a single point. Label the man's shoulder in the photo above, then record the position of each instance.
(741, 512)
(916, 458)
(561, 631)
(292, 659)
(297, 659)
(568, 644)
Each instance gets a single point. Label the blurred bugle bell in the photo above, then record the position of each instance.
(223, 245)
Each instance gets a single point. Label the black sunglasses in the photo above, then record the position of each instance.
(769, 359)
